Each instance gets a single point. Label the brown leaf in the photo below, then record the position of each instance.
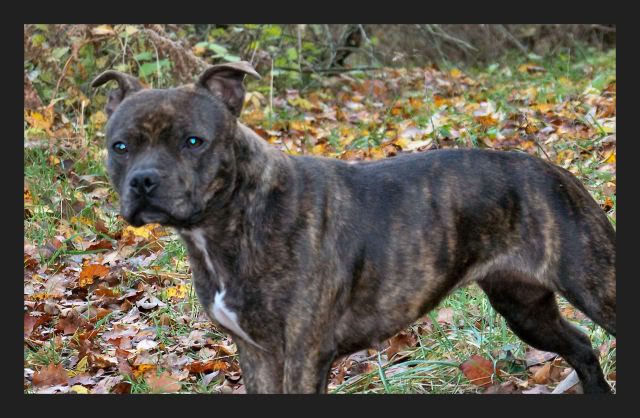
(33, 322)
(536, 390)
(533, 356)
(104, 244)
(99, 361)
(100, 227)
(104, 291)
(105, 385)
(122, 388)
(50, 375)
(478, 370)
(70, 324)
(124, 367)
(399, 342)
(505, 388)
(445, 316)
(162, 383)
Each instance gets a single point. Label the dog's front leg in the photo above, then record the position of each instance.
(262, 371)
(307, 370)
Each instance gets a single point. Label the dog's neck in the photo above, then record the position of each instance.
(236, 225)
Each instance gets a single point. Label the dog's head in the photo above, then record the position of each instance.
(170, 151)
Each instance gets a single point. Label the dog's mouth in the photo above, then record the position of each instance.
(146, 213)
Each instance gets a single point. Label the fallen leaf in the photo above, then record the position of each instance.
(91, 272)
(204, 367)
(445, 316)
(146, 345)
(50, 375)
(70, 324)
(399, 342)
(105, 385)
(537, 389)
(505, 388)
(534, 356)
(542, 374)
(32, 322)
(150, 302)
(162, 383)
(103, 30)
(478, 370)
(178, 292)
(571, 384)
(99, 361)
(79, 389)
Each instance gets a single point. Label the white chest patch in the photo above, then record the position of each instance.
(201, 244)
(228, 318)
(225, 317)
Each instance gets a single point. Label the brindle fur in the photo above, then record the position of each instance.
(320, 258)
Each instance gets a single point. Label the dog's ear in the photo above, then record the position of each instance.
(225, 82)
(126, 85)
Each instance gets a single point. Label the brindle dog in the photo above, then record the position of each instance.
(304, 259)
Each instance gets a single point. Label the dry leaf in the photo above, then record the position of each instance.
(537, 389)
(50, 375)
(478, 370)
(445, 316)
(399, 342)
(534, 356)
(505, 388)
(163, 383)
(90, 273)
(542, 374)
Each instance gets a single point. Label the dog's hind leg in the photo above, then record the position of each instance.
(531, 312)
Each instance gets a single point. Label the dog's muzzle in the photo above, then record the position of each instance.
(144, 182)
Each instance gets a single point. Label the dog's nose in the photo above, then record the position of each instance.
(144, 182)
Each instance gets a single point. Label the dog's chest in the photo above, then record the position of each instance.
(217, 308)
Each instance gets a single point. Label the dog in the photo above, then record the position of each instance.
(303, 259)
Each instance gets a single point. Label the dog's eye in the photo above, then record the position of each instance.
(194, 142)
(120, 147)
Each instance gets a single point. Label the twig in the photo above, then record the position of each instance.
(299, 47)
(535, 140)
(64, 70)
(512, 38)
(329, 70)
(448, 37)
(332, 52)
(604, 28)
(271, 93)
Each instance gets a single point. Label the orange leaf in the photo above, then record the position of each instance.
(162, 383)
(486, 120)
(478, 370)
(439, 101)
(205, 367)
(91, 272)
(541, 375)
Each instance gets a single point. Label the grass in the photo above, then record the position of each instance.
(69, 195)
